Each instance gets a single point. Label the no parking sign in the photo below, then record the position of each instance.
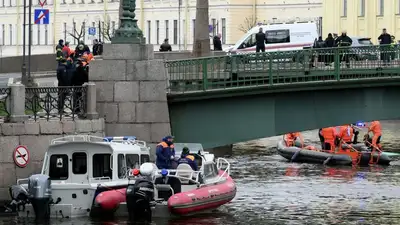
(21, 156)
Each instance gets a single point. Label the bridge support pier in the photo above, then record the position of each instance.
(131, 92)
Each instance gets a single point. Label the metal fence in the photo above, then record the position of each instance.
(47, 103)
(284, 67)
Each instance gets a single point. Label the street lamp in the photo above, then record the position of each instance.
(26, 79)
(128, 31)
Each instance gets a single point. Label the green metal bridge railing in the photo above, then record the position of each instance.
(284, 67)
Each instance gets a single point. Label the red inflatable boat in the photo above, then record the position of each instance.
(203, 198)
(110, 200)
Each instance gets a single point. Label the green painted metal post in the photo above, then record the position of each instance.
(128, 31)
(204, 73)
(270, 78)
(337, 63)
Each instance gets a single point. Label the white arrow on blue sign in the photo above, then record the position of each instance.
(92, 30)
(42, 16)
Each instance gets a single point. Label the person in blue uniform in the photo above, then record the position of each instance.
(165, 153)
(188, 159)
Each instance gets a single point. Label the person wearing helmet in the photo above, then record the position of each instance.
(187, 158)
(81, 49)
(165, 153)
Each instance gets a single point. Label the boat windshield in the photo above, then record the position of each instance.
(210, 170)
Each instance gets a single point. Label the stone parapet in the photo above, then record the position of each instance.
(36, 136)
(132, 91)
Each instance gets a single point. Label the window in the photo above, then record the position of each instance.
(158, 31)
(63, 2)
(3, 3)
(10, 27)
(121, 166)
(166, 29)
(73, 31)
(214, 24)
(344, 9)
(250, 41)
(277, 36)
(58, 169)
(194, 28)
(93, 24)
(175, 32)
(112, 28)
(365, 41)
(3, 34)
(38, 34)
(65, 31)
(102, 166)
(223, 21)
(83, 28)
(148, 31)
(79, 163)
(132, 161)
(381, 7)
(46, 34)
(362, 8)
(144, 159)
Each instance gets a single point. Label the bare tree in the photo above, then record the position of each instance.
(78, 33)
(108, 30)
(248, 24)
(201, 38)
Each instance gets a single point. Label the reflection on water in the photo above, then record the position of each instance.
(273, 191)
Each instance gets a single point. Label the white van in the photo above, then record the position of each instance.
(279, 37)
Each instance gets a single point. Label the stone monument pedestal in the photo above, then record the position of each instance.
(131, 92)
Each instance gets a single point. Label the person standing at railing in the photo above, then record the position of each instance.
(385, 40)
(260, 41)
(344, 41)
(165, 153)
(329, 43)
(188, 159)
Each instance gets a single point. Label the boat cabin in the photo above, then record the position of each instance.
(89, 159)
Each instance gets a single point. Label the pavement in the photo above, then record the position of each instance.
(41, 78)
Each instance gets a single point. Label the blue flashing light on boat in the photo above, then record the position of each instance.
(164, 172)
(123, 138)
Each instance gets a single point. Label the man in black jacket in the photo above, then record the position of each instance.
(217, 43)
(344, 41)
(385, 40)
(260, 41)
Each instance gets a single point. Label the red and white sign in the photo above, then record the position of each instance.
(21, 156)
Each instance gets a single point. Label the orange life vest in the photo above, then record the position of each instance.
(290, 138)
(376, 128)
(329, 134)
(346, 133)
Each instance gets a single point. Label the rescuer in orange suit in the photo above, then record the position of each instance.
(290, 138)
(346, 134)
(376, 128)
(329, 134)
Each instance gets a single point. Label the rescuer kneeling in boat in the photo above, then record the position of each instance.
(165, 153)
(376, 129)
(346, 134)
(290, 139)
(329, 135)
(188, 159)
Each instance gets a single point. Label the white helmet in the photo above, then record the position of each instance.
(146, 169)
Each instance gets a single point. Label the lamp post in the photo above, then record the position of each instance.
(29, 80)
(128, 31)
(23, 67)
(179, 24)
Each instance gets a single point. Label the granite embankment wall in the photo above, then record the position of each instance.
(46, 62)
(36, 136)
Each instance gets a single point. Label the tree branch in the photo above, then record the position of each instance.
(248, 24)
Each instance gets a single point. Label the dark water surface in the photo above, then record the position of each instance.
(273, 191)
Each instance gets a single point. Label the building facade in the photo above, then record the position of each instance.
(159, 19)
(362, 17)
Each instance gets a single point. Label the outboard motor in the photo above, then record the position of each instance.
(19, 197)
(39, 188)
(140, 195)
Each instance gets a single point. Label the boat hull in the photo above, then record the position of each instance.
(204, 198)
(309, 156)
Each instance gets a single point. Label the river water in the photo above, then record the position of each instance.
(273, 191)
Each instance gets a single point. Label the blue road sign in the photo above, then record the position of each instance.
(92, 30)
(42, 16)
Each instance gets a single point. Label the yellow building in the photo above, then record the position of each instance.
(159, 19)
(362, 17)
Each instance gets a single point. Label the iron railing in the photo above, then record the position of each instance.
(284, 67)
(5, 103)
(56, 102)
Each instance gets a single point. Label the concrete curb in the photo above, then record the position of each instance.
(39, 76)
